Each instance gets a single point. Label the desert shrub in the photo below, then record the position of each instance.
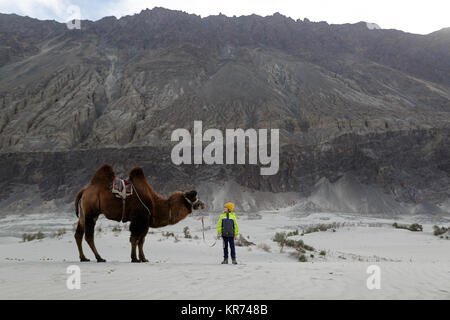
(412, 227)
(264, 247)
(299, 245)
(168, 234)
(322, 227)
(293, 233)
(439, 230)
(280, 238)
(300, 250)
(33, 236)
(415, 227)
(242, 242)
(59, 233)
(294, 243)
(322, 253)
(186, 232)
(28, 237)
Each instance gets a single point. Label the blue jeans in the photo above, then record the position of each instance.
(226, 241)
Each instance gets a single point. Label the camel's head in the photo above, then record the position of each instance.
(191, 200)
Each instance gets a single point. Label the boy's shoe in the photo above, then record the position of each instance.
(234, 261)
(225, 261)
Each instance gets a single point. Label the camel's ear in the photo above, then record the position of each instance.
(191, 195)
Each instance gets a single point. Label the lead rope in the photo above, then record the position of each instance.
(149, 213)
(203, 230)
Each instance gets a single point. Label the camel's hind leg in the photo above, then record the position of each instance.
(141, 248)
(139, 228)
(89, 237)
(134, 242)
(79, 239)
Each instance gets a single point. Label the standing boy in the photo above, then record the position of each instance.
(227, 228)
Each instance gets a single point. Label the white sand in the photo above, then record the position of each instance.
(414, 265)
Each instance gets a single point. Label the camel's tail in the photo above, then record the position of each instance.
(77, 200)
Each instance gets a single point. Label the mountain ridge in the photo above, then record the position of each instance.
(128, 83)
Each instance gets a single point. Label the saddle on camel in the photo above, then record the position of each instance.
(131, 200)
(123, 189)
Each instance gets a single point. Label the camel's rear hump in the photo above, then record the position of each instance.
(137, 173)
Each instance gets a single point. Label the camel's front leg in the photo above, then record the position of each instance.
(89, 237)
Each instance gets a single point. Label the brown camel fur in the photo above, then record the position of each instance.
(97, 198)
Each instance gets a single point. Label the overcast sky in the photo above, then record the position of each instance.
(411, 16)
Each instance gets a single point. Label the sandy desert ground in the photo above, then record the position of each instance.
(413, 265)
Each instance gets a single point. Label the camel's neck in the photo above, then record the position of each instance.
(162, 211)
(166, 211)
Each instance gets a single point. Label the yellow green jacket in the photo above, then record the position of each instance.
(232, 215)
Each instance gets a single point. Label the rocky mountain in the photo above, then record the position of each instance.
(355, 105)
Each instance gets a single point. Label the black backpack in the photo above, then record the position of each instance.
(228, 227)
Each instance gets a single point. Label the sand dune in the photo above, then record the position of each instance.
(414, 265)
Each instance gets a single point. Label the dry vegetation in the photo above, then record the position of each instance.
(440, 231)
(40, 235)
(322, 227)
(412, 227)
(300, 247)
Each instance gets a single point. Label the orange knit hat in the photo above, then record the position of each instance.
(229, 205)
